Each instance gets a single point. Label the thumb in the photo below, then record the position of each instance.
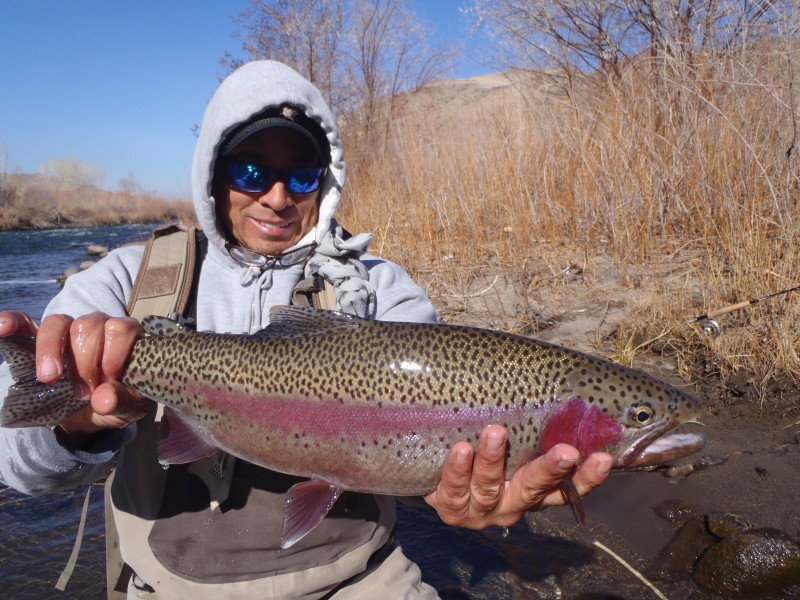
(116, 405)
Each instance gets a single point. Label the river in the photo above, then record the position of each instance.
(38, 533)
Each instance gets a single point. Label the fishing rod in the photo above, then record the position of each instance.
(711, 327)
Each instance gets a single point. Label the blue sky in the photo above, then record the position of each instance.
(120, 84)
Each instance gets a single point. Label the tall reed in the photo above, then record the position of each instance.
(671, 159)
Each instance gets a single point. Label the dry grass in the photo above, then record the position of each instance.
(43, 206)
(672, 164)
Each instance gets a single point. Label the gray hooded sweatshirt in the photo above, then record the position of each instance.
(173, 533)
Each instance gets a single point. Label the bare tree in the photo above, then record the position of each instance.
(304, 34)
(361, 54)
(71, 174)
(129, 186)
(390, 59)
(598, 34)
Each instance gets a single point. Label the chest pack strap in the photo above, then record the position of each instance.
(170, 266)
(164, 283)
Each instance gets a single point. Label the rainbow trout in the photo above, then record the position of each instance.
(371, 406)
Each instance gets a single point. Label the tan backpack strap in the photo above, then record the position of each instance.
(163, 284)
(315, 291)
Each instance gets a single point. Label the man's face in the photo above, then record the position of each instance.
(271, 221)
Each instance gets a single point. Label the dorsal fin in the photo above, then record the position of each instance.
(304, 321)
(163, 327)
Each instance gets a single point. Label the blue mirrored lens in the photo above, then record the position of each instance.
(303, 181)
(248, 177)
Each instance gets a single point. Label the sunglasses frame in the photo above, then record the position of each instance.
(271, 176)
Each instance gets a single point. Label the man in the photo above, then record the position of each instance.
(267, 177)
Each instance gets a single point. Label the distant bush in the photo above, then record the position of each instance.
(44, 206)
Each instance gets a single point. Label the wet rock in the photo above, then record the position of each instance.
(674, 511)
(96, 250)
(72, 270)
(725, 525)
(750, 563)
(677, 559)
(684, 470)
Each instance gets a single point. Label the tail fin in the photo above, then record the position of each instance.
(29, 402)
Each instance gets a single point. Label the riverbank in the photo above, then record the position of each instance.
(33, 203)
(749, 469)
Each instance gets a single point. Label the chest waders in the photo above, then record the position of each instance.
(166, 285)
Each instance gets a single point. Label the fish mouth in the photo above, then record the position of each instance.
(664, 449)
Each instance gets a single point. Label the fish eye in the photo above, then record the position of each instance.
(642, 414)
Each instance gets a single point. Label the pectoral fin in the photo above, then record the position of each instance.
(178, 443)
(573, 498)
(305, 505)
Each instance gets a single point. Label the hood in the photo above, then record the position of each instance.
(248, 91)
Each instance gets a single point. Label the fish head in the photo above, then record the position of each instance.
(606, 407)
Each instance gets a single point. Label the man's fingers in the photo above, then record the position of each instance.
(51, 340)
(537, 484)
(452, 496)
(118, 405)
(120, 336)
(592, 472)
(87, 340)
(112, 405)
(488, 470)
(16, 322)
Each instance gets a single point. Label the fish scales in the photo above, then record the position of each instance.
(378, 406)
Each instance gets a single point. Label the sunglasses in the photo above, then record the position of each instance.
(249, 177)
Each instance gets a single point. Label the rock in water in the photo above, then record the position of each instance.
(750, 563)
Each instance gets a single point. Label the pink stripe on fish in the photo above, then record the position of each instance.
(332, 418)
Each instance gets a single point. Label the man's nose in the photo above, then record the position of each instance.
(276, 197)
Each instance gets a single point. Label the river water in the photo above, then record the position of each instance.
(38, 533)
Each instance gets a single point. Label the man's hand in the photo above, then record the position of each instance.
(99, 347)
(474, 493)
